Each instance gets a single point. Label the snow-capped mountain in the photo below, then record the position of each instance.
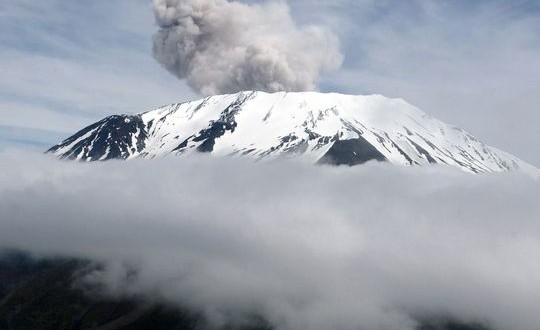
(315, 127)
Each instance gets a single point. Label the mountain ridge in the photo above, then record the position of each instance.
(314, 127)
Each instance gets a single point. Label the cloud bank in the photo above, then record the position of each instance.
(305, 247)
(221, 46)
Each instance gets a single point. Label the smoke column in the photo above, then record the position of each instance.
(225, 47)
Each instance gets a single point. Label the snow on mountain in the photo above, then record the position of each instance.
(315, 127)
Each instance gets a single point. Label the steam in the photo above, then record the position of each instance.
(305, 247)
(225, 47)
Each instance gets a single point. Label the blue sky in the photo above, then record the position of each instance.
(475, 64)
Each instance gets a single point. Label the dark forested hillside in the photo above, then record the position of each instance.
(43, 295)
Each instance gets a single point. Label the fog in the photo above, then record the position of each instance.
(305, 247)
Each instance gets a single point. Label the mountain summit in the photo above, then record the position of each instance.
(315, 127)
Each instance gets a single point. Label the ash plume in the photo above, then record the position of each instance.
(220, 47)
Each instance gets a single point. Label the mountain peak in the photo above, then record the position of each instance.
(315, 127)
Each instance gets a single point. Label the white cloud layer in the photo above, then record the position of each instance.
(306, 247)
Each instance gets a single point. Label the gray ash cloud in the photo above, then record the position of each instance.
(221, 46)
